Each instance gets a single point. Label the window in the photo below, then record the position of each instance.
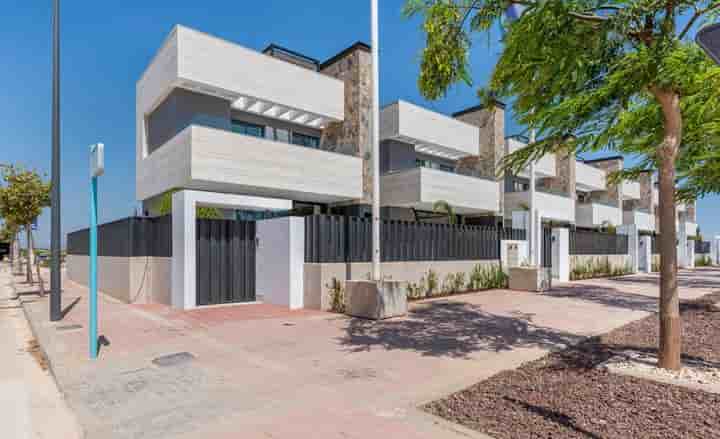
(447, 168)
(423, 163)
(247, 128)
(305, 140)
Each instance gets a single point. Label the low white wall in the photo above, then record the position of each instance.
(318, 277)
(131, 280)
(279, 262)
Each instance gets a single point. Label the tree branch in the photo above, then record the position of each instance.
(695, 17)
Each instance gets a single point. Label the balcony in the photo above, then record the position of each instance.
(642, 219)
(630, 190)
(690, 229)
(597, 214)
(420, 188)
(431, 133)
(589, 178)
(545, 167)
(250, 80)
(551, 206)
(217, 160)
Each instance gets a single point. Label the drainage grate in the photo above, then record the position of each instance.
(68, 327)
(173, 359)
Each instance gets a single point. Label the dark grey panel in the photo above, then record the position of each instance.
(128, 237)
(396, 156)
(182, 108)
(589, 242)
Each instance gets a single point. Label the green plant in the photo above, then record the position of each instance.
(598, 267)
(454, 283)
(487, 276)
(703, 261)
(442, 206)
(432, 281)
(336, 292)
(165, 207)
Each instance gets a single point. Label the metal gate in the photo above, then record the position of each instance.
(225, 261)
(546, 247)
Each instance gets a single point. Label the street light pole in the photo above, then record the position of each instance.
(55, 287)
(375, 140)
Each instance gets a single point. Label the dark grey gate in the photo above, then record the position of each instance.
(546, 247)
(225, 261)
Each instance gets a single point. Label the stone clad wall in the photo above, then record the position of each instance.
(352, 135)
(564, 182)
(613, 194)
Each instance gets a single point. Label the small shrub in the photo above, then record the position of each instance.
(336, 291)
(598, 267)
(703, 261)
(485, 277)
(432, 282)
(417, 290)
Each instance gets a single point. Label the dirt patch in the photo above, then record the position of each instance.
(33, 348)
(564, 394)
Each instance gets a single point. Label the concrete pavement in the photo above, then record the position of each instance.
(258, 371)
(30, 404)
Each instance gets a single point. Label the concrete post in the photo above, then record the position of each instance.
(633, 245)
(561, 254)
(645, 254)
(682, 246)
(715, 250)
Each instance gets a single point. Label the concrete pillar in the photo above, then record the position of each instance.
(280, 261)
(561, 254)
(633, 245)
(715, 249)
(682, 246)
(183, 293)
(645, 254)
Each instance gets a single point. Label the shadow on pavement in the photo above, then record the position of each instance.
(452, 329)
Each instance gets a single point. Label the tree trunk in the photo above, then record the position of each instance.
(29, 255)
(16, 262)
(670, 327)
(37, 265)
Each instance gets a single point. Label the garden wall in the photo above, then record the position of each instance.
(140, 279)
(319, 276)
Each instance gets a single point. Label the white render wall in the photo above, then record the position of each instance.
(280, 261)
(644, 221)
(595, 214)
(210, 159)
(545, 167)
(426, 128)
(549, 206)
(421, 187)
(589, 178)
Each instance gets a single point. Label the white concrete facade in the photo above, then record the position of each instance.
(596, 214)
(550, 206)
(561, 254)
(431, 132)
(589, 178)
(420, 188)
(210, 159)
(643, 220)
(184, 245)
(633, 245)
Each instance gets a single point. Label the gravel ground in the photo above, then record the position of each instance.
(564, 395)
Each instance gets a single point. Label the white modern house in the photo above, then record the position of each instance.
(422, 155)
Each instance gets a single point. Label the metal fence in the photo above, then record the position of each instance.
(349, 239)
(588, 242)
(128, 237)
(702, 247)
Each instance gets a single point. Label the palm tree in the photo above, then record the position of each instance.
(442, 206)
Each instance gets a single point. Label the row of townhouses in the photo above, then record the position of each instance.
(277, 133)
(217, 117)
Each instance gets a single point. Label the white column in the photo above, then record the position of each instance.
(645, 254)
(633, 244)
(183, 294)
(561, 254)
(375, 139)
(280, 262)
(682, 244)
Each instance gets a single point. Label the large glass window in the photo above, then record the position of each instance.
(247, 128)
(305, 140)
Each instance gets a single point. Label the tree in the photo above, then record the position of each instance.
(592, 74)
(9, 233)
(22, 199)
(442, 206)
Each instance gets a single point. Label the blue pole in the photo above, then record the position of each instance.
(92, 330)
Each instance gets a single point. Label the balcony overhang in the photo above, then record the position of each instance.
(550, 206)
(420, 188)
(249, 80)
(631, 190)
(644, 221)
(545, 167)
(430, 132)
(589, 178)
(597, 214)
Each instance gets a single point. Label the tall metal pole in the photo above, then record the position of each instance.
(55, 287)
(533, 241)
(375, 139)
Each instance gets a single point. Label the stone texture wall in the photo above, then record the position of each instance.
(613, 194)
(491, 123)
(646, 195)
(564, 182)
(352, 135)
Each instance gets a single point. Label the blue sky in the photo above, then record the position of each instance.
(106, 46)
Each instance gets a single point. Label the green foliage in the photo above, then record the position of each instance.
(591, 75)
(432, 281)
(454, 283)
(487, 276)
(703, 261)
(165, 208)
(442, 206)
(22, 197)
(598, 267)
(336, 292)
